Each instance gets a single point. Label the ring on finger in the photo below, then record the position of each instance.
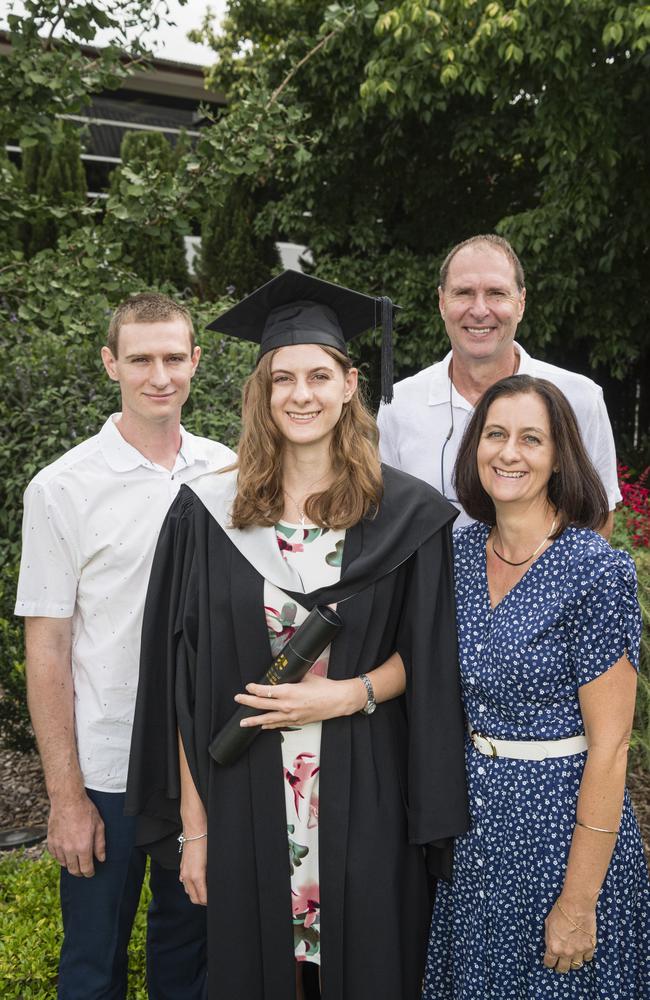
(269, 693)
(577, 965)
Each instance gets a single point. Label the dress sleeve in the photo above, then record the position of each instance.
(153, 786)
(605, 623)
(437, 792)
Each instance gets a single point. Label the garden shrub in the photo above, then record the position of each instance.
(31, 931)
(632, 533)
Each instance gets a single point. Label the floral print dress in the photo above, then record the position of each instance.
(572, 615)
(316, 554)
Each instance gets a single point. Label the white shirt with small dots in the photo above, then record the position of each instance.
(90, 525)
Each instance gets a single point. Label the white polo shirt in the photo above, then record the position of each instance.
(90, 525)
(414, 426)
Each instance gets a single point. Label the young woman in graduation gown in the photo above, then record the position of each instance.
(317, 843)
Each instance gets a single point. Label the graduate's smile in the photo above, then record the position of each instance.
(303, 417)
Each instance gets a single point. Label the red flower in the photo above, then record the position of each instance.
(636, 500)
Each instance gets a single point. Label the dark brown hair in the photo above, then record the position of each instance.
(357, 487)
(575, 490)
(490, 240)
(146, 307)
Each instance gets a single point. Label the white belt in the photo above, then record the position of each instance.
(527, 749)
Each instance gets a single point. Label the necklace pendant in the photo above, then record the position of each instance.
(302, 518)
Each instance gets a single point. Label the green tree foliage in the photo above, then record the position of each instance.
(10, 180)
(233, 256)
(157, 252)
(562, 85)
(426, 121)
(46, 72)
(53, 170)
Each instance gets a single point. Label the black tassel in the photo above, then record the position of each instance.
(386, 349)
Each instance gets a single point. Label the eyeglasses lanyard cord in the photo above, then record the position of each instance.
(447, 439)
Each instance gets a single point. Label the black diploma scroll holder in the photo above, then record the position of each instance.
(290, 666)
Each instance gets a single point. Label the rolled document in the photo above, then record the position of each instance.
(296, 659)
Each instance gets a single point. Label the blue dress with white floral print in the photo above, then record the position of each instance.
(573, 614)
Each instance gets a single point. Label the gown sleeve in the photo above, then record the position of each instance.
(437, 791)
(163, 703)
(605, 623)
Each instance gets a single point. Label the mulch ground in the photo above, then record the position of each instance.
(23, 801)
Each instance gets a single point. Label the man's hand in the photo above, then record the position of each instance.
(75, 835)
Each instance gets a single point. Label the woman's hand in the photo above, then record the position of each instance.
(570, 937)
(194, 861)
(312, 699)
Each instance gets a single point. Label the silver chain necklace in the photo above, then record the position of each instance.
(301, 512)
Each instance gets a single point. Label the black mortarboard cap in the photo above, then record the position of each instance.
(295, 308)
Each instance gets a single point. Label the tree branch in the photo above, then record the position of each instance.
(312, 52)
(59, 16)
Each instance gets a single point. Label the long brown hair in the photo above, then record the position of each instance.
(575, 489)
(357, 487)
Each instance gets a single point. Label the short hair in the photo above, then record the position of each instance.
(575, 490)
(491, 240)
(146, 307)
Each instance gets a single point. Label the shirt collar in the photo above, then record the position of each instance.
(439, 380)
(525, 361)
(123, 457)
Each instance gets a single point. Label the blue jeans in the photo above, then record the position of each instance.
(98, 915)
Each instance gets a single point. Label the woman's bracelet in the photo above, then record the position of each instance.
(572, 921)
(182, 840)
(596, 829)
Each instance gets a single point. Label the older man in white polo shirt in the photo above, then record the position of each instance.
(90, 527)
(482, 297)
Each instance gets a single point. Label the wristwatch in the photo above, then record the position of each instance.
(371, 704)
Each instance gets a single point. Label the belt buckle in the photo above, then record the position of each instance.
(475, 737)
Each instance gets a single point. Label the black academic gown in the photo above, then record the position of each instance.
(390, 783)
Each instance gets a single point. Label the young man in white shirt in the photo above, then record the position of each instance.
(90, 527)
(482, 297)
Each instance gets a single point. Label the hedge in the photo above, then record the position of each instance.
(30, 931)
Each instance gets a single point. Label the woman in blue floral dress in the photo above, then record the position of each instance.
(550, 896)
